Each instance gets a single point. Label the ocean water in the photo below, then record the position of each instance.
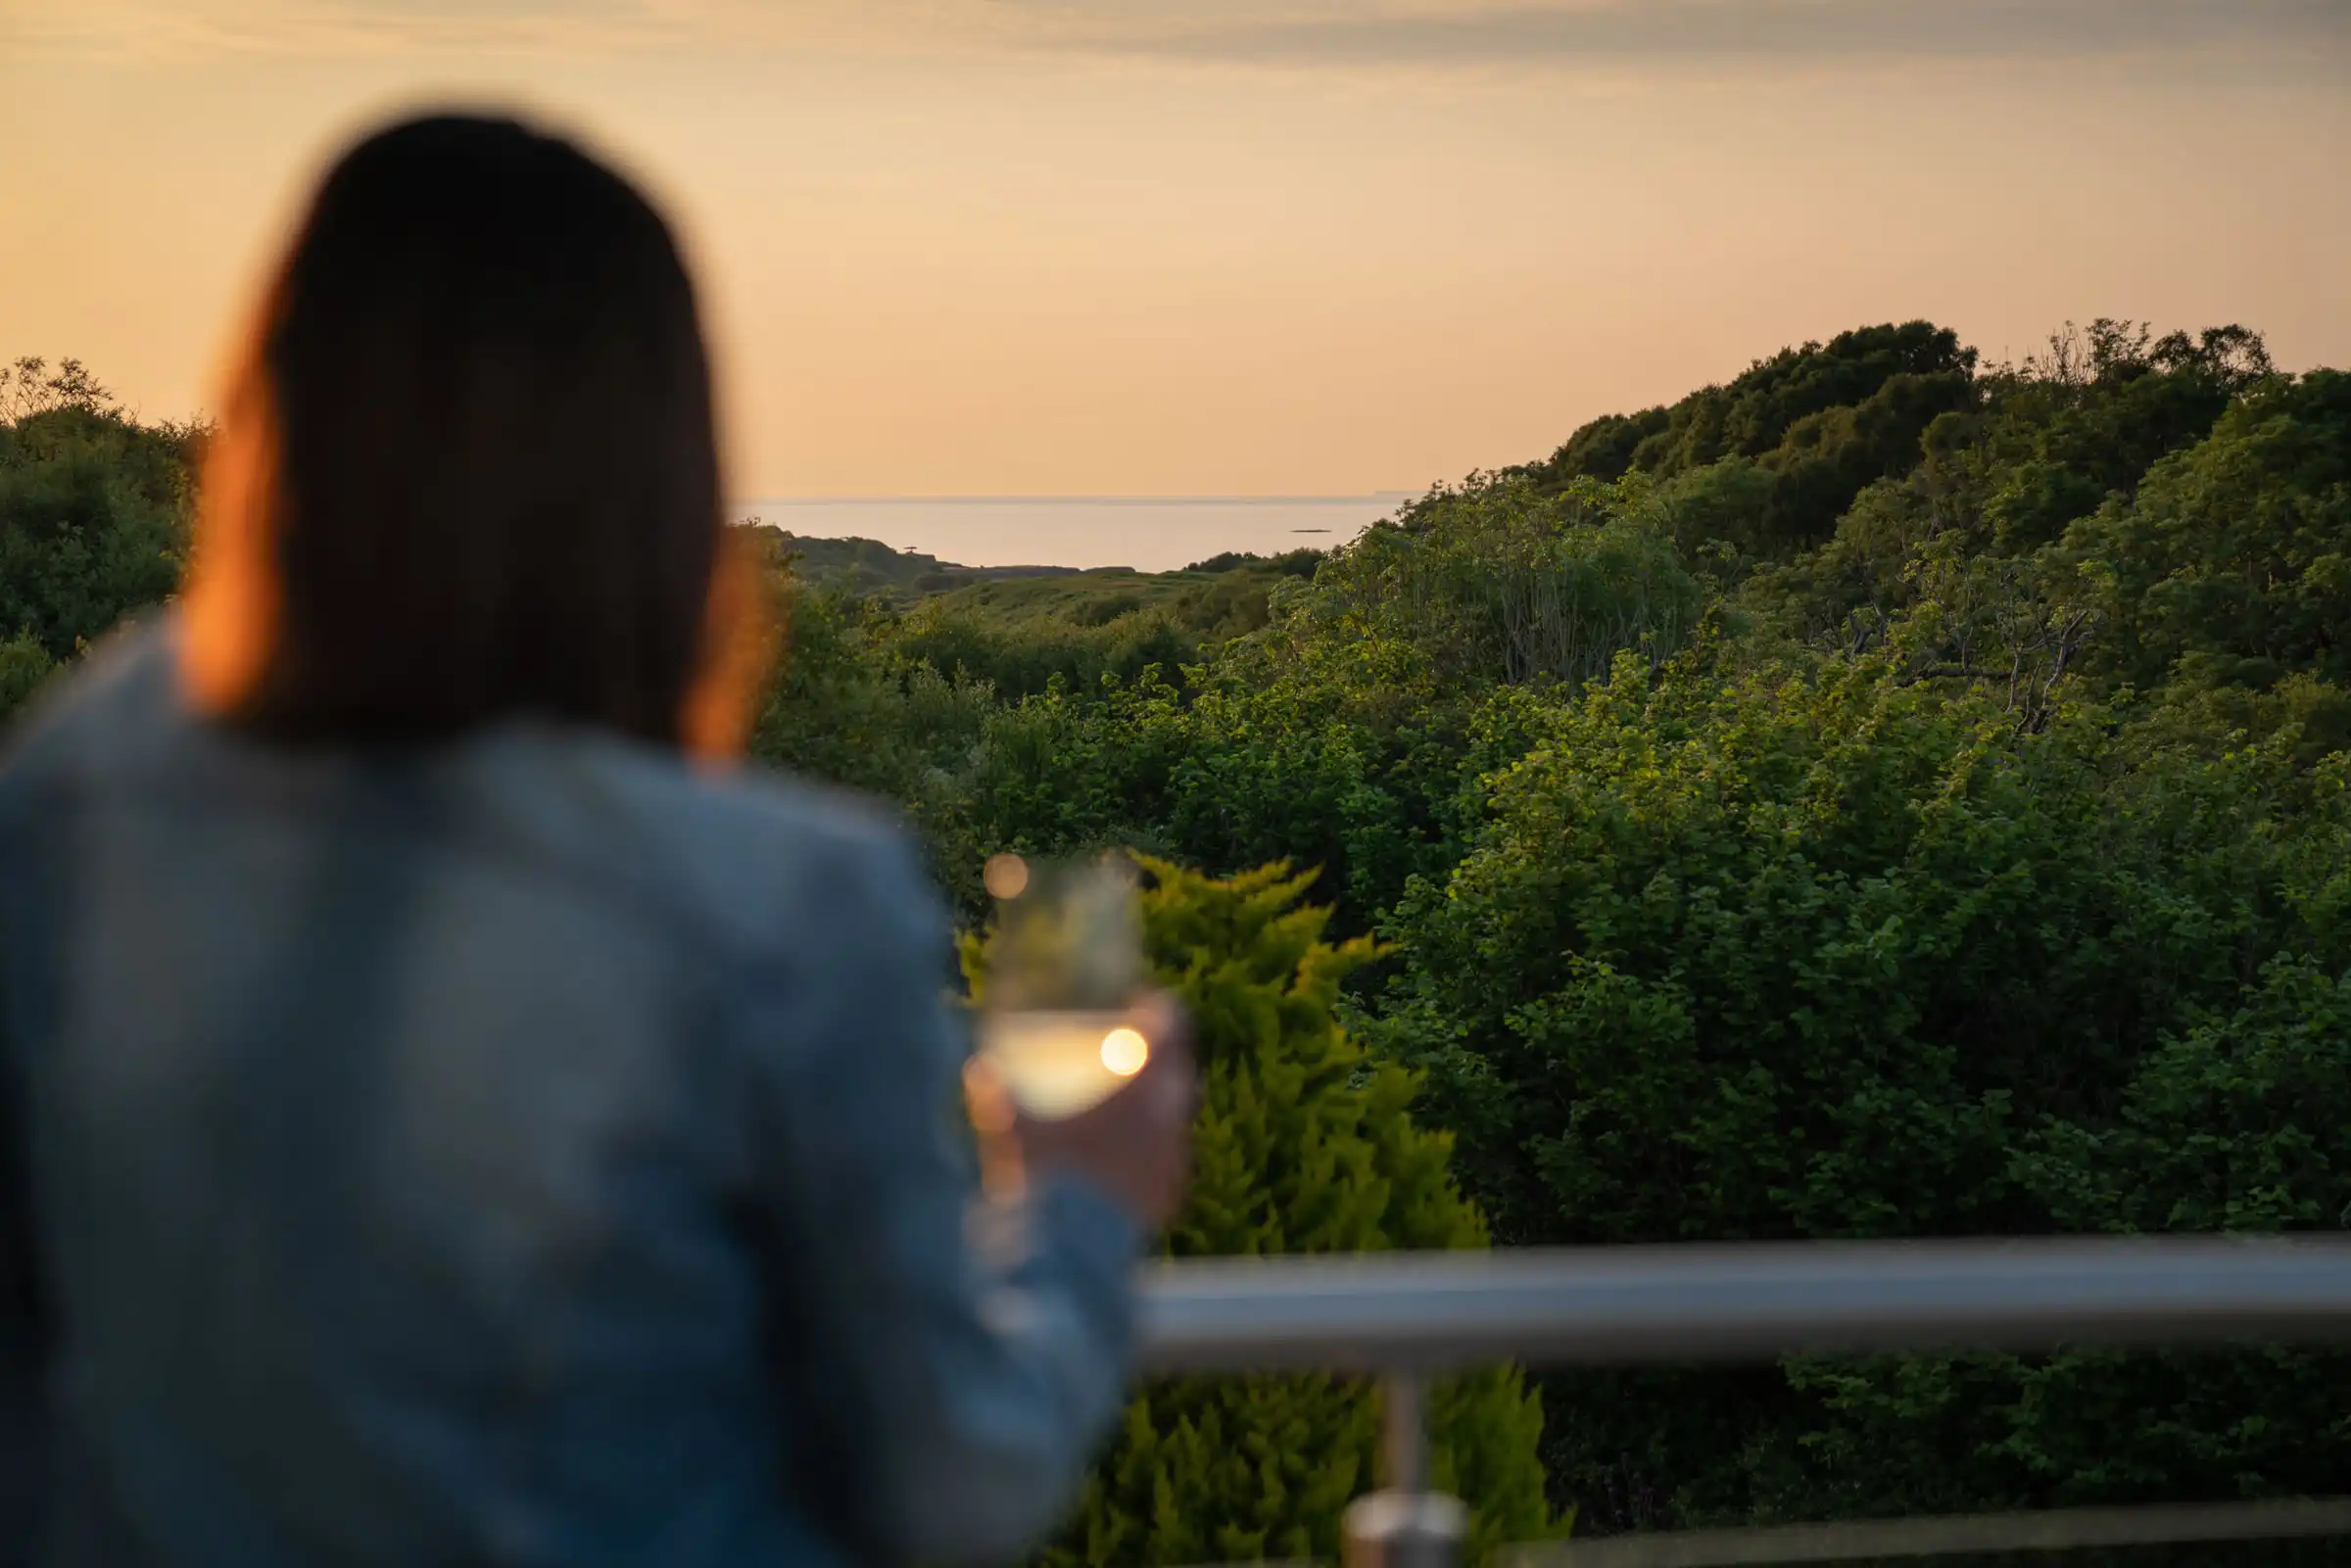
(1150, 532)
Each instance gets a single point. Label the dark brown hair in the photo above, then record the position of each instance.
(469, 468)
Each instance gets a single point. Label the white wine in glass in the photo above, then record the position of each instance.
(1056, 1029)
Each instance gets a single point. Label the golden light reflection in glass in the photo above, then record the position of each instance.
(1124, 1051)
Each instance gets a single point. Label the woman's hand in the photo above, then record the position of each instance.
(1134, 1146)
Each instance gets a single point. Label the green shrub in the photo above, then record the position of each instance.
(24, 666)
(94, 515)
(1305, 1145)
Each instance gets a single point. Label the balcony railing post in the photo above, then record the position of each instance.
(1405, 1432)
(1405, 1526)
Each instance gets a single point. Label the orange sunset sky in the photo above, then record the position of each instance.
(1142, 247)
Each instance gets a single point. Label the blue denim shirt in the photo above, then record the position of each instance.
(532, 1150)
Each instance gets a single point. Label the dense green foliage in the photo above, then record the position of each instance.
(93, 516)
(1017, 629)
(1885, 794)
(1306, 1145)
(1799, 435)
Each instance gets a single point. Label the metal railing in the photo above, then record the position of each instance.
(1403, 1317)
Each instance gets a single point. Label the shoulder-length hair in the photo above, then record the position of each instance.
(467, 467)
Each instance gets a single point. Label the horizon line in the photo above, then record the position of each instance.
(1075, 500)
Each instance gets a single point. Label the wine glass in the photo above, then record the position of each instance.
(1056, 1031)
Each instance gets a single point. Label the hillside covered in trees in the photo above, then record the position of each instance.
(1884, 794)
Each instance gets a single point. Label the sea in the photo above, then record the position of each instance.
(1149, 533)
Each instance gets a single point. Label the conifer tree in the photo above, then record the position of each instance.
(1306, 1144)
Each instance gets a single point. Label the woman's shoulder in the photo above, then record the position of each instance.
(747, 856)
(732, 858)
(118, 701)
